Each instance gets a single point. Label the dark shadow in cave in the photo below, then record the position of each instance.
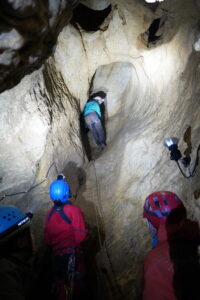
(96, 284)
(156, 33)
(84, 138)
(103, 118)
(183, 250)
(187, 139)
(75, 176)
(153, 28)
(98, 279)
(89, 19)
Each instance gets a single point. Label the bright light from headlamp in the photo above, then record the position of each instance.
(170, 141)
(153, 1)
(175, 154)
(172, 145)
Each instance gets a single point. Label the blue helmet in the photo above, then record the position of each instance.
(59, 190)
(12, 220)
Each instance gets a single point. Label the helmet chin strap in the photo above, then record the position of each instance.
(152, 229)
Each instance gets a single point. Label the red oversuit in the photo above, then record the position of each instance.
(65, 231)
(171, 269)
(61, 235)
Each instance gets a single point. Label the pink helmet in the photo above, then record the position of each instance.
(160, 205)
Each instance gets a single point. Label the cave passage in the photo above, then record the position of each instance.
(89, 19)
(142, 55)
(152, 37)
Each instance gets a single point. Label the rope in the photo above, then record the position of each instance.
(32, 187)
(102, 217)
(98, 226)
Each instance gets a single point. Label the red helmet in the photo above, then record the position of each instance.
(160, 205)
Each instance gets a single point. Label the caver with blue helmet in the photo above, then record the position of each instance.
(60, 193)
(16, 248)
(59, 190)
(64, 233)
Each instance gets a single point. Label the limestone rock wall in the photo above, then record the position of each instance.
(39, 138)
(28, 33)
(152, 89)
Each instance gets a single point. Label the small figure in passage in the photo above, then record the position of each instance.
(16, 249)
(65, 232)
(93, 118)
(171, 268)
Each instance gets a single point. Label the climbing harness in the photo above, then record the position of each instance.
(60, 210)
(71, 272)
(64, 266)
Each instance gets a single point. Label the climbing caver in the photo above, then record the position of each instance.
(65, 231)
(93, 118)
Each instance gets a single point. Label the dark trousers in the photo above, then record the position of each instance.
(94, 124)
(68, 276)
(60, 276)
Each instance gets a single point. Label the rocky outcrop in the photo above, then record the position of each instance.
(28, 34)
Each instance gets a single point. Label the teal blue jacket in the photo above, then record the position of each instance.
(92, 106)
